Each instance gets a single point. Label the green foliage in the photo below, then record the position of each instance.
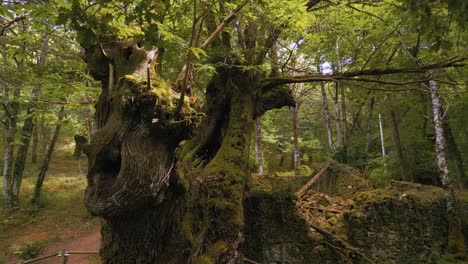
(378, 173)
(28, 251)
(304, 170)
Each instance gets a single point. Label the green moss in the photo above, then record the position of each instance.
(462, 196)
(203, 260)
(187, 228)
(404, 222)
(217, 249)
(159, 88)
(226, 173)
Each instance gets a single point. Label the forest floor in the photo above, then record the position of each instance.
(62, 221)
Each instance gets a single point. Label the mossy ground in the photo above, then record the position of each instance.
(401, 223)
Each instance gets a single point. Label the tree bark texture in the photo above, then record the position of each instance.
(168, 186)
(456, 243)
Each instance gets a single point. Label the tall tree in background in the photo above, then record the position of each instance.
(28, 125)
(27, 38)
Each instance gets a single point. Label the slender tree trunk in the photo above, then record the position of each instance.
(369, 126)
(28, 125)
(382, 137)
(281, 161)
(35, 142)
(327, 115)
(296, 149)
(424, 100)
(47, 158)
(337, 116)
(396, 140)
(258, 144)
(454, 154)
(456, 241)
(11, 111)
(45, 134)
(345, 128)
(10, 131)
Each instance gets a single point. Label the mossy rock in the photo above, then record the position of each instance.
(403, 223)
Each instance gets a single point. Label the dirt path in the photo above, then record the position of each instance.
(85, 242)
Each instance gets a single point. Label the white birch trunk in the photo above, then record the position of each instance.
(382, 137)
(440, 143)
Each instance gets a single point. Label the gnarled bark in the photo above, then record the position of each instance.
(169, 193)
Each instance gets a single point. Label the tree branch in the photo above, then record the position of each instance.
(275, 81)
(223, 24)
(6, 110)
(8, 24)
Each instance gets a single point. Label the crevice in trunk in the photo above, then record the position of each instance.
(108, 162)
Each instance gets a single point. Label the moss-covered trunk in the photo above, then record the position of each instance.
(167, 192)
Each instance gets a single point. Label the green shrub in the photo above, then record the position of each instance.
(304, 170)
(28, 251)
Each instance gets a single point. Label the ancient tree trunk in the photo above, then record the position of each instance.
(369, 126)
(456, 243)
(167, 193)
(327, 115)
(47, 158)
(258, 144)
